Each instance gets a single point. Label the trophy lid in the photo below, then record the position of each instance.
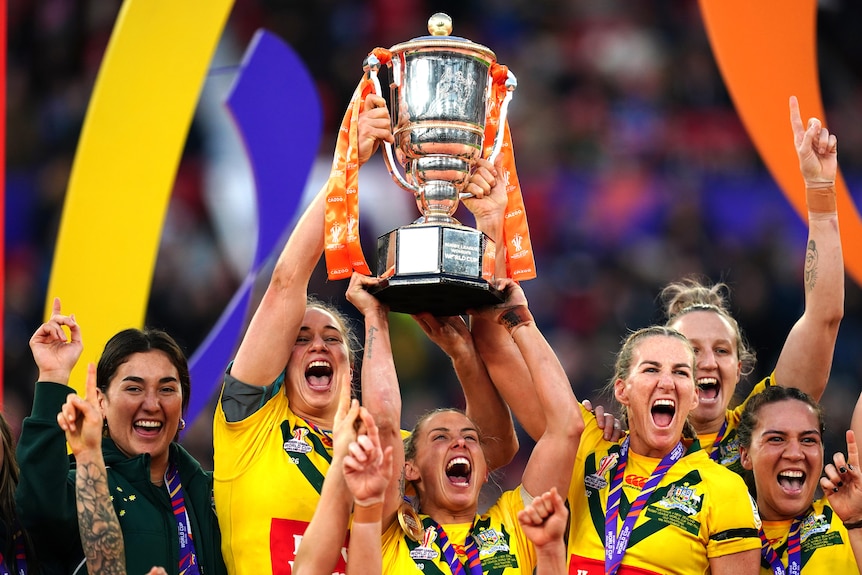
(440, 26)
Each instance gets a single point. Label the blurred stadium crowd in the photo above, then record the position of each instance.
(635, 169)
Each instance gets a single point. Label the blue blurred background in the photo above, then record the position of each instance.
(635, 170)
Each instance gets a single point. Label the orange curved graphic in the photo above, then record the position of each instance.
(767, 51)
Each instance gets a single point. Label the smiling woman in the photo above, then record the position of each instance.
(656, 489)
(781, 447)
(143, 387)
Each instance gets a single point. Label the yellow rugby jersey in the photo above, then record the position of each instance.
(269, 469)
(729, 446)
(503, 547)
(824, 541)
(699, 510)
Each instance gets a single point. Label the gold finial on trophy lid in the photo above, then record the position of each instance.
(440, 24)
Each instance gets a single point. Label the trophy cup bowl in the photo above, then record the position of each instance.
(440, 88)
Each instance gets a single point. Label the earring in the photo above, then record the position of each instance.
(105, 431)
(182, 424)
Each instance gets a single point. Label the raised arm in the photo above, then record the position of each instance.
(55, 354)
(504, 362)
(484, 405)
(380, 392)
(44, 494)
(368, 472)
(806, 358)
(553, 457)
(544, 522)
(324, 536)
(101, 536)
(265, 349)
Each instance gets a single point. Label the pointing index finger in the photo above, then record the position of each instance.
(852, 449)
(796, 120)
(91, 384)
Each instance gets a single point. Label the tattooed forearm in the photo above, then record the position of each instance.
(369, 341)
(101, 536)
(810, 265)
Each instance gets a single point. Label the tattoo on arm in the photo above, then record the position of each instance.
(101, 536)
(811, 265)
(369, 341)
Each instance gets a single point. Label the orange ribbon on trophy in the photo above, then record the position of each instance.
(342, 247)
(520, 263)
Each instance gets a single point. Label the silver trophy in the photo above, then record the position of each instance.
(440, 91)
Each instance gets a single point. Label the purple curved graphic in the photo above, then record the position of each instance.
(277, 111)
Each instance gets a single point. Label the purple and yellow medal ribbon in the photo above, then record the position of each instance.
(794, 551)
(474, 564)
(188, 564)
(325, 436)
(617, 542)
(716, 445)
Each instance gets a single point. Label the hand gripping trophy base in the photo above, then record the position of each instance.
(443, 269)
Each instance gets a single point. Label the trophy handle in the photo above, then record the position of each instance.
(372, 65)
(511, 84)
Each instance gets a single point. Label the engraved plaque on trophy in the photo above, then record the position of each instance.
(440, 87)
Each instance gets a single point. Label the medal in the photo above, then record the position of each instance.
(410, 522)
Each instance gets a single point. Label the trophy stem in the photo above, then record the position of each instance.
(437, 201)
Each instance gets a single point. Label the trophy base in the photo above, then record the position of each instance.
(443, 269)
(438, 295)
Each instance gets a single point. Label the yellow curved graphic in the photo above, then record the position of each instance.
(767, 51)
(126, 162)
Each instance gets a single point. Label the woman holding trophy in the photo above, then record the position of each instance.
(445, 461)
(271, 432)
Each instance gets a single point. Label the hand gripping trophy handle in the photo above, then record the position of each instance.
(371, 66)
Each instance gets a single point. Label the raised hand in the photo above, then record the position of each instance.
(368, 468)
(489, 199)
(81, 419)
(544, 520)
(54, 353)
(345, 422)
(514, 297)
(451, 334)
(359, 296)
(373, 127)
(816, 147)
(842, 483)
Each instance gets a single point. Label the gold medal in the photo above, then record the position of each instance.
(410, 522)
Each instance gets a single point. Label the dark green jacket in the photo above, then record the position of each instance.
(46, 498)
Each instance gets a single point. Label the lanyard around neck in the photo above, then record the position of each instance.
(716, 445)
(474, 565)
(616, 543)
(794, 550)
(188, 564)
